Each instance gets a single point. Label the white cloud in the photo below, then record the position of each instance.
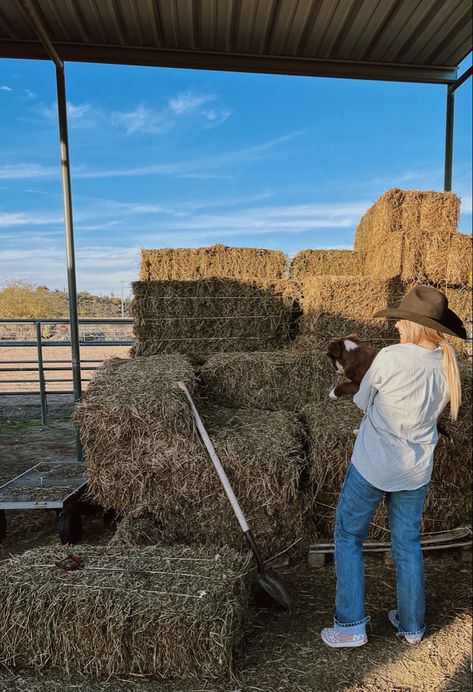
(183, 108)
(10, 219)
(29, 95)
(187, 102)
(5, 88)
(141, 119)
(20, 171)
(99, 268)
(74, 112)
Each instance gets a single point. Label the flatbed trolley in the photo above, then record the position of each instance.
(56, 485)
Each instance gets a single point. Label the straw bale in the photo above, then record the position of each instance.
(378, 237)
(330, 428)
(459, 265)
(212, 315)
(215, 261)
(308, 263)
(146, 457)
(136, 611)
(288, 379)
(335, 306)
(408, 234)
(460, 300)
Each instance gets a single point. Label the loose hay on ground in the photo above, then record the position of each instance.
(308, 263)
(142, 611)
(143, 455)
(330, 429)
(288, 379)
(214, 261)
(213, 315)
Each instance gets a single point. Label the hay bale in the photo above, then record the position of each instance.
(288, 379)
(143, 455)
(308, 263)
(335, 306)
(459, 264)
(210, 262)
(330, 429)
(212, 315)
(139, 611)
(408, 234)
(460, 300)
(378, 237)
(138, 531)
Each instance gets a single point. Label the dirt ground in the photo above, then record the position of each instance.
(282, 652)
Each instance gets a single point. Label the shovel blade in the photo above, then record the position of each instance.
(273, 587)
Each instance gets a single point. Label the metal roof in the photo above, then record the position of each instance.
(401, 40)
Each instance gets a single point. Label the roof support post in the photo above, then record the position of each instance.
(447, 178)
(68, 227)
(31, 10)
(69, 233)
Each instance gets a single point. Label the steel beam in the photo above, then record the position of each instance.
(447, 178)
(234, 62)
(461, 80)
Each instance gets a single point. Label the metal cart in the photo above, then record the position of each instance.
(57, 485)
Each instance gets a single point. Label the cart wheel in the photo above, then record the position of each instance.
(3, 524)
(69, 525)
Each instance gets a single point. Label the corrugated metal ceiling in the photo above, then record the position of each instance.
(412, 40)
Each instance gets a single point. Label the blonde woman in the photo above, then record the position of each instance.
(403, 393)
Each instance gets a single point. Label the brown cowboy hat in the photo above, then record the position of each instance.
(428, 306)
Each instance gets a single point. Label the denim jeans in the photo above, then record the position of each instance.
(356, 506)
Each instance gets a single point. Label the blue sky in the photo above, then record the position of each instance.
(184, 158)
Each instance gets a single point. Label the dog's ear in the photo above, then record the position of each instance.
(335, 348)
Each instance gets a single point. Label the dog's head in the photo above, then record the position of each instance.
(339, 350)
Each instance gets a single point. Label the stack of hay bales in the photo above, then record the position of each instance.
(335, 306)
(330, 427)
(144, 456)
(406, 238)
(408, 233)
(132, 611)
(212, 315)
(309, 263)
(217, 261)
(280, 380)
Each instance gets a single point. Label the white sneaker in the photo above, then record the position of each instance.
(337, 639)
(394, 620)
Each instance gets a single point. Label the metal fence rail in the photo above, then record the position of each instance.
(42, 367)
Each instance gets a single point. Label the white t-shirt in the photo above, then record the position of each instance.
(403, 394)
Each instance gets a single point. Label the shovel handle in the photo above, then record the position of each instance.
(254, 548)
(217, 463)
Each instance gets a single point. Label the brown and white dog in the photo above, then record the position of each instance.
(352, 359)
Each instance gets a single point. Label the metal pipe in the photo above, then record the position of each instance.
(32, 13)
(447, 181)
(453, 87)
(42, 382)
(69, 231)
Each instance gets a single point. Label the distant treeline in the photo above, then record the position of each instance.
(21, 299)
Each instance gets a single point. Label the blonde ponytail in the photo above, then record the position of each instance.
(452, 374)
(414, 333)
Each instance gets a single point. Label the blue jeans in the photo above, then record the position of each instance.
(356, 506)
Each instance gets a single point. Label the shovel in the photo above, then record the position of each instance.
(268, 581)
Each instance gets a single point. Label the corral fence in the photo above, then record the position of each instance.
(41, 334)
